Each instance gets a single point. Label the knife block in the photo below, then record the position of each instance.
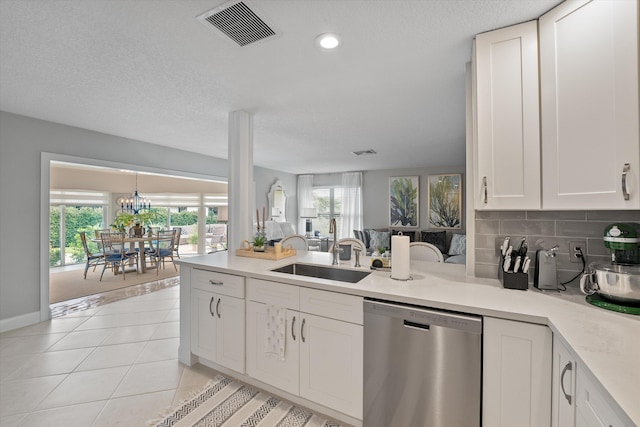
(512, 280)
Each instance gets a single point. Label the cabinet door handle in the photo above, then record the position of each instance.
(484, 189)
(625, 169)
(210, 307)
(302, 330)
(567, 367)
(293, 331)
(218, 307)
(215, 282)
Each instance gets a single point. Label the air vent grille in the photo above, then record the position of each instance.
(239, 23)
(369, 152)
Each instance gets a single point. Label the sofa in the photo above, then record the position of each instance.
(214, 233)
(453, 245)
(277, 231)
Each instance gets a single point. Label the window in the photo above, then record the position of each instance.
(71, 212)
(328, 204)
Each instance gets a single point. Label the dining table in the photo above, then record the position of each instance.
(134, 241)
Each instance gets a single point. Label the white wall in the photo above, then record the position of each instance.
(22, 140)
(375, 192)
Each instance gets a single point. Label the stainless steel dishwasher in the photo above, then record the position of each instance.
(422, 367)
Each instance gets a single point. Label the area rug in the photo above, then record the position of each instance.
(67, 285)
(229, 403)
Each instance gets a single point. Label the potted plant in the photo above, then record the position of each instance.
(259, 242)
(122, 222)
(146, 218)
(193, 241)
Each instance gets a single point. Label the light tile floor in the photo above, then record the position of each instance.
(111, 365)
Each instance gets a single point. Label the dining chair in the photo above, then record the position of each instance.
(422, 251)
(162, 245)
(93, 259)
(97, 233)
(176, 241)
(115, 252)
(296, 241)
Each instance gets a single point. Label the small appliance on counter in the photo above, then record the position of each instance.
(616, 285)
(546, 273)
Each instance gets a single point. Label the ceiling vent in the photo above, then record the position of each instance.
(238, 22)
(369, 152)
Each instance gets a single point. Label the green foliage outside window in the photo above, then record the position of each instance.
(183, 218)
(82, 218)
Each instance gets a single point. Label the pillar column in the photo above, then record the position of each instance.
(241, 188)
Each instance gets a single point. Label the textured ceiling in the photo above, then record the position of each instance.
(148, 70)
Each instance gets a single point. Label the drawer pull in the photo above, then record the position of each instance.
(218, 307)
(302, 330)
(567, 367)
(215, 282)
(293, 331)
(625, 169)
(210, 308)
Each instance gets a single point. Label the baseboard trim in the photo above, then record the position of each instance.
(19, 321)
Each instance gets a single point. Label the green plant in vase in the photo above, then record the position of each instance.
(259, 242)
(123, 221)
(146, 218)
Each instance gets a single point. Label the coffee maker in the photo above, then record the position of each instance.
(616, 285)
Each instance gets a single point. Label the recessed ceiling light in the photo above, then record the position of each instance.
(328, 41)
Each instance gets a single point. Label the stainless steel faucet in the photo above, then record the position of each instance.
(357, 251)
(334, 229)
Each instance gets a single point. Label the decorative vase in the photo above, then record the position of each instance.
(259, 248)
(138, 230)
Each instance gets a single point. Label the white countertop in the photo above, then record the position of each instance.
(606, 343)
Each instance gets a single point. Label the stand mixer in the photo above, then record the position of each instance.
(616, 286)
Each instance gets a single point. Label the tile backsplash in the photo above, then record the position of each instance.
(543, 230)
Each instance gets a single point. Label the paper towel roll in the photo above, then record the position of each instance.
(400, 257)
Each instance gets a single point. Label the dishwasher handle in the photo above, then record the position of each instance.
(418, 317)
(416, 326)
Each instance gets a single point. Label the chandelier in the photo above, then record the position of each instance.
(135, 203)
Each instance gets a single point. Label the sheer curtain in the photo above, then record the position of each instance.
(351, 214)
(305, 198)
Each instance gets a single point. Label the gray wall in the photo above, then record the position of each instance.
(376, 194)
(547, 229)
(264, 179)
(22, 140)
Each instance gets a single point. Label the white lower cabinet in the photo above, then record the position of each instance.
(281, 373)
(331, 363)
(516, 389)
(563, 392)
(323, 357)
(594, 407)
(218, 319)
(577, 400)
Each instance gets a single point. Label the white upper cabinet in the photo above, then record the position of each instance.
(508, 125)
(589, 105)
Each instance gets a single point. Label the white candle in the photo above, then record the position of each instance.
(400, 257)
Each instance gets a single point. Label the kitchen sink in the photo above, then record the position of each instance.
(322, 272)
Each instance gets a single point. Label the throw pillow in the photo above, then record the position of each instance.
(359, 234)
(458, 244)
(410, 233)
(436, 238)
(380, 239)
(367, 237)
